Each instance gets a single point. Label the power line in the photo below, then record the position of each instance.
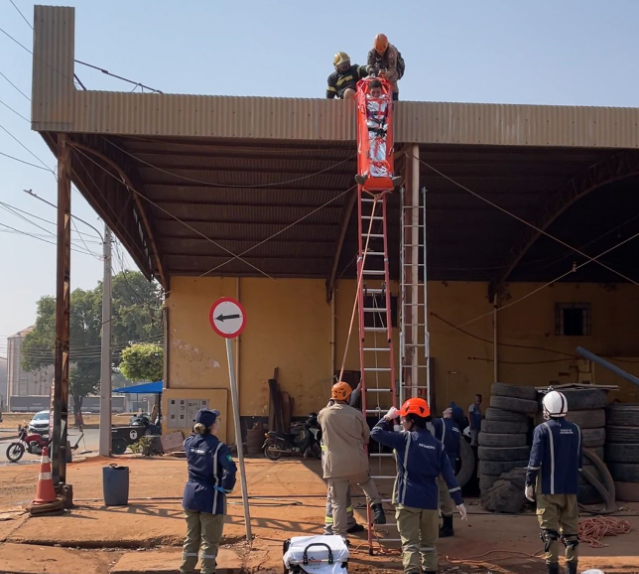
(16, 87)
(521, 220)
(21, 14)
(26, 148)
(24, 162)
(41, 239)
(14, 111)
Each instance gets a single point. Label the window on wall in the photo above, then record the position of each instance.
(379, 319)
(573, 319)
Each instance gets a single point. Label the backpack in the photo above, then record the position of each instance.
(401, 65)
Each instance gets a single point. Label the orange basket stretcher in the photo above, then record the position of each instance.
(375, 146)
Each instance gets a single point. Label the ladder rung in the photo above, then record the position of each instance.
(366, 200)
(412, 245)
(414, 264)
(377, 235)
(378, 410)
(382, 390)
(374, 309)
(376, 329)
(374, 253)
(374, 291)
(374, 349)
(414, 344)
(373, 272)
(375, 217)
(414, 324)
(378, 369)
(413, 226)
(414, 387)
(414, 304)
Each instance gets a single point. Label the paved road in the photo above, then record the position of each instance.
(88, 443)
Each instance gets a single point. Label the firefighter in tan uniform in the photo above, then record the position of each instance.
(345, 434)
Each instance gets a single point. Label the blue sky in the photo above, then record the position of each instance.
(567, 52)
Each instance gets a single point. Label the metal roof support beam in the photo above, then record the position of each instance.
(612, 169)
(138, 202)
(339, 244)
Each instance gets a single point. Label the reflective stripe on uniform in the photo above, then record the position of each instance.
(331, 89)
(328, 520)
(551, 442)
(349, 509)
(454, 489)
(403, 495)
(189, 554)
(217, 478)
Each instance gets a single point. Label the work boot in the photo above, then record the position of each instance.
(355, 529)
(361, 179)
(380, 517)
(572, 567)
(553, 567)
(447, 528)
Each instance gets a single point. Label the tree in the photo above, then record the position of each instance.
(142, 362)
(136, 316)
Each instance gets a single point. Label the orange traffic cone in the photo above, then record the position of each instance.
(45, 494)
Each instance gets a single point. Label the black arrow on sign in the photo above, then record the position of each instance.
(223, 318)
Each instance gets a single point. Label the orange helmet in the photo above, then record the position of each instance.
(341, 391)
(381, 43)
(415, 406)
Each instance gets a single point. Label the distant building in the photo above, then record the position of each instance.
(21, 383)
(3, 383)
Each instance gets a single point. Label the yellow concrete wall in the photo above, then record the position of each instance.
(289, 327)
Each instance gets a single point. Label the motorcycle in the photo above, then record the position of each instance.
(303, 440)
(144, 420)
(32, 443)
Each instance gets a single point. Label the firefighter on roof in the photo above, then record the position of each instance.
(343, 81)
(553, 480)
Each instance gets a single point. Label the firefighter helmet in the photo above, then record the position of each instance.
(341, 391)
(340, 59)
(381, 43)
(415, 406)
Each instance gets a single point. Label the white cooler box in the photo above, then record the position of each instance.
(316, 555)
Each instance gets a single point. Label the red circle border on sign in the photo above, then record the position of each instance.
(212, 322)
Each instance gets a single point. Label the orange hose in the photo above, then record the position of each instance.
(592, 530)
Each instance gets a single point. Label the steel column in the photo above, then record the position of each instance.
(62, 315)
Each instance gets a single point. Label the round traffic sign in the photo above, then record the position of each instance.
(227, 317)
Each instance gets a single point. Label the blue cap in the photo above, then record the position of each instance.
(207, 417)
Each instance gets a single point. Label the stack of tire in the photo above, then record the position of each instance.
(504, 437)
(622, 449)
(586, 408)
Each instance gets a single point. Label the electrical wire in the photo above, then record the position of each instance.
(21, 14)
(24, 162)
(16, 87)
(26, 148)
(521, 220)
(572, 270)
(14, 111)
(19, 231)
(224, 185)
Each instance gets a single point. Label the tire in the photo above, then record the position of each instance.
(623, 415)
(118, 446)
(523, 406)
(487, 481)
(588, 494)
(467, 468)
(514, 391)
(509, 440)
(499, 427)
(585, 399)
(592, 438)
(592, 419)
(507, 494)
(624, 472)
(627, 491)
(490, 467)
(15, 451)
(628, 452)
(502, 454)
(599, 451)
(500, 415)
(622, 435)
(270, 452)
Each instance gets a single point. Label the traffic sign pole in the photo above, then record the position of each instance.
(238, 437)
(228, 319)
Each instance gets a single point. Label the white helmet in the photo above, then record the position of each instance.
(555, 404)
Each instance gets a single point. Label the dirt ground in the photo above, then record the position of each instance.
(12, 420)
(287, 499)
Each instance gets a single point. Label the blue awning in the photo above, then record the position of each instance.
(154, 388)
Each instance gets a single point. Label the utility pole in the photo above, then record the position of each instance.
(105, 362)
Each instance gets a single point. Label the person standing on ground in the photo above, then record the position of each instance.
(385, 61)
(448, 433)
(211, 478)
(421, 458)
(352, 526)
(553, 480)
(474, 419)
(344, 435)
